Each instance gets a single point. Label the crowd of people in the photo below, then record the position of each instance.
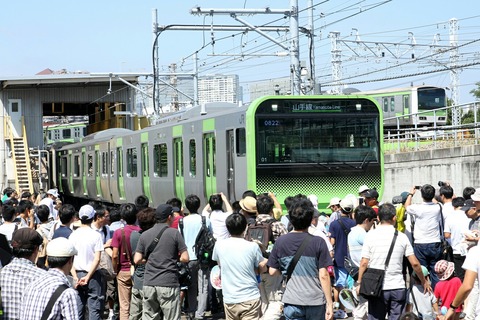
(274, 261)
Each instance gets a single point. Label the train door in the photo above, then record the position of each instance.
(98, 172)
(209, 164)
(84, 172)
(145, 170)
(120, 181)
(230, 165)
(178, 168)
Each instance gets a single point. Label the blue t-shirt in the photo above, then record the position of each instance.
(356, 238)
(62, 232)
(303, 288)
(338, 233)
(238, 260)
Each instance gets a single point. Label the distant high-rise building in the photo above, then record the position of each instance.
(219, 88)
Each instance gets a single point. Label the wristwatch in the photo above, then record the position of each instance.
(452, 306)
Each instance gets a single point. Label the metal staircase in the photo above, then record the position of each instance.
(20, 156)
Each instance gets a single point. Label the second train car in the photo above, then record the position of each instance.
(323, 145)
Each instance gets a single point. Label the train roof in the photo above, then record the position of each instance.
(397, 89)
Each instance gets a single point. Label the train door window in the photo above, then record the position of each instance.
(97, 163)
(90, 165)
(406, 104)
(112, 164)
(120, 162)
(84, 172)
(385, 104)
(145, 159)
(210, 160)
(76, 166)
(160, 160)
(56, 134)
(66, 134)
(178, 157)
(131, 162)
(64, 167)
(392, 104)
(193, 158)
(104, 163)
(241, 145)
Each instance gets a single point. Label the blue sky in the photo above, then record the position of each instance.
(116, 36)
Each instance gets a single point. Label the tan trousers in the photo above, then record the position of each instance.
(248, 310)
(124, 286)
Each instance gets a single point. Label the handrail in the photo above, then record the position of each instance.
(27, 155)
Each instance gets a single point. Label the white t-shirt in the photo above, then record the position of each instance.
(427, 221)
(238, 259)
(375, 248)
(447, 210)
(472, 263)
(457, 224)
(217, 220)
(424, 301)
(7, 229)
(356, 238)
(87, 241)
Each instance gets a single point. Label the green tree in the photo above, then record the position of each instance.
(476, 92)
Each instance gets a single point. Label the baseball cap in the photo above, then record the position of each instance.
(476, 195)
(363, 188)
(424, 271)
(334, 202)
(53, 192)
(249, 204)
(86, 211)
(371, 193)
(26, 238)
(404, 196)
(470, 203)
(347, 204)
(163, 211)
(444, 269)
(61, 247)
(313, 199)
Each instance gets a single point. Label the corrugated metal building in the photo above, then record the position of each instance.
(25, 100)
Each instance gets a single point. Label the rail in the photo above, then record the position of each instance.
(435, 136)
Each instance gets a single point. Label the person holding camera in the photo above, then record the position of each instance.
(426, 232)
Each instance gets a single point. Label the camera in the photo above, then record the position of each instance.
(418, 187)
(360, 201)
(442, 183)
(397, 200)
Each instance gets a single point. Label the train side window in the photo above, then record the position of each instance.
(392, 104)
(64, 167)
(145, 159)
(160, 160)
(76, 166)
(406, 104)
(120, 162)
(112, 164)
(97, 163)
(90, 165)
(104, 163)
(241, 145)
(385, 104)
(193, 158)
(66, 134)
(131, 162)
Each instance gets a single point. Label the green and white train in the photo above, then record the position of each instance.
(323, 145)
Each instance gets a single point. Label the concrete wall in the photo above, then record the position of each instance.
(460, 166)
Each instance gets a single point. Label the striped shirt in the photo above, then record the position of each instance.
(38, 293)
(14, 277)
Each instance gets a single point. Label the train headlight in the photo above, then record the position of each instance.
(358, 106)
(274, 107)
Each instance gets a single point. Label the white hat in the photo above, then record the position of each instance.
(363, 188)
(347, 204)
(476, 195)
(53, 192)
(313, 199)
(86, 211)
(334, 202)
(61, 247)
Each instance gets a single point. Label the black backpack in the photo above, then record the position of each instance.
(204, 244)
(261, 233)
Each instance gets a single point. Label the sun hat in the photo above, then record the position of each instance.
(444, 269)
(334, 202)
(249, 204)
(363, 188)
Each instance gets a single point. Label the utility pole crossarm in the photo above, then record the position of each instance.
(220, 27)
(211, 11)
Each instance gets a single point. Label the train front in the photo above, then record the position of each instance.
(322, 145)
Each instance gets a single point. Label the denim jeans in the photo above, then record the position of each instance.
(294, 312)
(92, 295)
(428, 254)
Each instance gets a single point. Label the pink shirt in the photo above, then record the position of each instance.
(117, 243)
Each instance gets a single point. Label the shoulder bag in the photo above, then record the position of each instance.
(372, 280)
(447, 250)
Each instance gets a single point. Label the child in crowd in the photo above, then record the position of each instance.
(448, 285)
(421, 303)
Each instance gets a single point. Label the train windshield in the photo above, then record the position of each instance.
(431, 98)
(317, 132)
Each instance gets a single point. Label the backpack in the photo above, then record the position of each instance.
(204, 244)
(261, 233)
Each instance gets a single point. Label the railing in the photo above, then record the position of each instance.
(27, 155)
(434, 136)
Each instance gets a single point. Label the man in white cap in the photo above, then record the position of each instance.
(39, 293)
(49, 201)
(89, 245)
